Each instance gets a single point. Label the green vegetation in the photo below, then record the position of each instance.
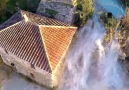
(32, 5)
(22, 4)
(52, 13)
(108, 21)
(9, 7)
(125, 2)
(3, 4)
(84, 12)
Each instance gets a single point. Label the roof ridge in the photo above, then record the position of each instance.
(53, 62)
(11, 17)
(23, 32)
(58, 26)
(44, 48)
(11, 26)
(42, 18)
(18, 23)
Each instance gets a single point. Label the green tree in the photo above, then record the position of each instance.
(3, 4)
(84, 11)
(32, 5)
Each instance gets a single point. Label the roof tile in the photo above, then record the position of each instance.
(24, 41)
(56, 42)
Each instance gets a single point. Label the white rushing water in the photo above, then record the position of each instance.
(91, 65)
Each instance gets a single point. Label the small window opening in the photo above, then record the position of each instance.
(12, 64)
(32, 66)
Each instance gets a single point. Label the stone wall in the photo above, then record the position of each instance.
(65, 1)
(58, 10)
(26, 69)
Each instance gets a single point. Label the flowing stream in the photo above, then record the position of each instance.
(91, 64)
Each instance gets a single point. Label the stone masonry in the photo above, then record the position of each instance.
(66, 1)
(59, 10)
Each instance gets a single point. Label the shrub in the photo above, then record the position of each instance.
(108, 21)
(84, 12)
(3, 4)
(9, 7)
(32, 5)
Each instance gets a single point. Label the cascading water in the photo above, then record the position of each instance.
(90, 65)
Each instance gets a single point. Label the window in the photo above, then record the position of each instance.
(12, 64)
(32, 66)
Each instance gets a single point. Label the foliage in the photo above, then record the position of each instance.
(3, 4)
(22, 4)
(9, 7)
(84, 12)
(109, 22)
(32, 5)
(125, 21)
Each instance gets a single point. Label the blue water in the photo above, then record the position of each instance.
(113, 6)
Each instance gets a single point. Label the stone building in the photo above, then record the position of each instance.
(62, 10)
(35, 46)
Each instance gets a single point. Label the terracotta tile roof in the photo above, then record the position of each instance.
(56, 41)
(37, 19)
(37, 41)
(24, 41)
(41, 20)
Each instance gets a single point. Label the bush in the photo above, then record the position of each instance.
(84, 12)
(32, 5)
(108, 21)
(9, 7)
(3, 4)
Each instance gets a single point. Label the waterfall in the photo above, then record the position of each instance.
(91, 65)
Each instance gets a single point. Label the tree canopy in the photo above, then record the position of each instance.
(84, 11)
(3, 4)
(9, 7)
